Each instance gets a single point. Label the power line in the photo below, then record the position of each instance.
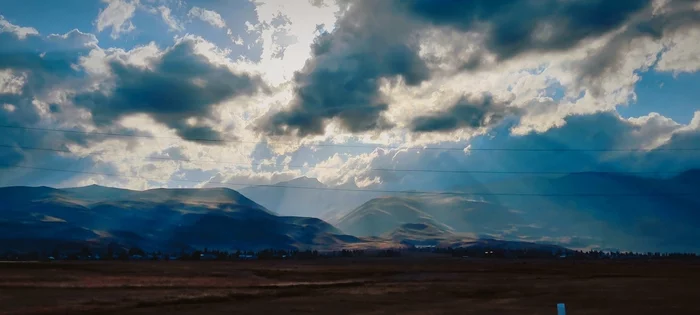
(98, 133)
(333, 145)
(397, 170)
(380, 191)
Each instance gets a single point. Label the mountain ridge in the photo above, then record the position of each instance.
(153, 218)
(291, 198)
(587, 209)
(45, 218)
(623, 211)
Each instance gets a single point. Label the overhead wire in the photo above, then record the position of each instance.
(366, 146)
(398, 170)
(251, 164)
(340, 189)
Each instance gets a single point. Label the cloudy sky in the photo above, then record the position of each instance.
(394, 94)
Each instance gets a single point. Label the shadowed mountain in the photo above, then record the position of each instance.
(156, 219)
(580, 210)
(446, 213)
(419, 234)
(302, 197)
(42, 218)
(621, 211)
(205, 195)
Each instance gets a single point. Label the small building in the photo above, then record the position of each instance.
(207, 256)
(247, 257)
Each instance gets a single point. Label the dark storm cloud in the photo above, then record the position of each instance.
(517, 26)
(599, 131)
(675, 15)
(341, 80)
(201, 134)
(180, 85)
(43, 63)
(374, 40)
(36, 53)
(514, 27)
(468, 112)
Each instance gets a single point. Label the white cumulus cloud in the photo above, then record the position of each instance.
(117, 15)
(169, 19)
(209, 16)
(21, 31)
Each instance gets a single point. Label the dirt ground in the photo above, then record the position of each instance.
(351, 286)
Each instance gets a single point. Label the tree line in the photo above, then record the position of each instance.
(114, 252)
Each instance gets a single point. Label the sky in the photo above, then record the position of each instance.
(197, 93)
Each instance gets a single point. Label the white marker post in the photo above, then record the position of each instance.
(561, 309)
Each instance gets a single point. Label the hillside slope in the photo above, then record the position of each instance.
(449, 213)
(580, 210)
(155, 219)
(307, 197)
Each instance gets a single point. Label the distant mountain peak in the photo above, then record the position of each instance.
(303, 182)
(415, 226)
(154, 219)
(349, 185)
(421, 228)
(691, 174)
(95, 186)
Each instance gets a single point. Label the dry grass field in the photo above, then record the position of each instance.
(351, 286)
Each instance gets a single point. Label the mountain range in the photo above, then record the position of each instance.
(152, 219)
(579, 210)
(306, 196)
(606, 209)
(582, 210)
(446, 213)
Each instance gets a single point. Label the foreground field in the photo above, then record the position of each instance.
(351, 286)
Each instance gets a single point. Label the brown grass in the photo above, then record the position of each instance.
(350, 286)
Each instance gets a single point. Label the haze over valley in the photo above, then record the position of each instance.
(546, 213)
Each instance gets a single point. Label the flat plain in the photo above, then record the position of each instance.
(425, 285)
